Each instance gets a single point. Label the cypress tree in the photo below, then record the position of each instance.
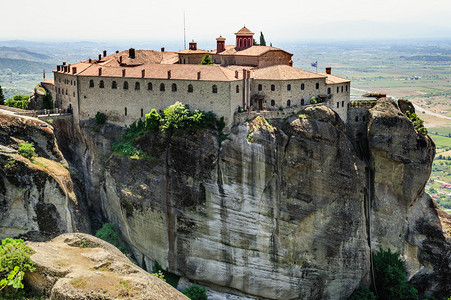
(262, 39)
(207, 60)
(2, 97)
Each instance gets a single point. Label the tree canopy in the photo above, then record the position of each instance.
(2, 97)
(207, 60)
(262, 39)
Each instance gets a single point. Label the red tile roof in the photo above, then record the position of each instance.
(333, 79)
(244, 31)
(284, 72)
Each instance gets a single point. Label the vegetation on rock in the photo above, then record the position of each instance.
(362, 293)
(195, 292)
(27, 150)
(101, 118)
(14, 263)
(417, 123)
(390, 276)
(19, 101)
(2, 97)
(109, 234)
(165, 275)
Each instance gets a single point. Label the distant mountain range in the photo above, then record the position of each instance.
(21, 53)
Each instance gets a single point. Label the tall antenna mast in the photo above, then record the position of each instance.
(184, 31)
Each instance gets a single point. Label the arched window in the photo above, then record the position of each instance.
(273, 102)
(59, 91)
(237, 88)
(317, 85)
(190, 88)
(91, 83)
(114, 85)
(125, 85)
(288, 103)
(137, 86)
(302, 101)
(328, 90)
(302, 86)
(338, 90)
(101, 84)
(214, 89)
(363, 119)
(142, 113)
(162, 87)
(289, 87)
(338, 104)
(149, 86)
(66, 92)
(356, 118)
(342, 89)
(125, 111)
(260, 87)
(174, 87)
(273, 87)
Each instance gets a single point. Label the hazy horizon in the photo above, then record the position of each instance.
(288, 21)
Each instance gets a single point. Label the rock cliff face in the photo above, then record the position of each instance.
(36, 197)
(287, 210)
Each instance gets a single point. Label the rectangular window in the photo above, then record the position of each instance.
(338, 104)
(342, 104)
(142, 112)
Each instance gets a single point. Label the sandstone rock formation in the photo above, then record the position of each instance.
(281, 209)
(36, 197)
(79, 266)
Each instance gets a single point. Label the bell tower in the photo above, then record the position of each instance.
(244, 39)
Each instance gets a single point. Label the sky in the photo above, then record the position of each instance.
(292, 20)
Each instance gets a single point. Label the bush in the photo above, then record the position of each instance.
(153, 120)
(18, 101)
(313, 100)
(195, 292)
(101, 118)
(417, 123)
(390, 276)
(167, 276)
(109, 234)
(176, 116)
(124, 145)
(27, 150)
(47, 102)
(14, 262)
(362, 293)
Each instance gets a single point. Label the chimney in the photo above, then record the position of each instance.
(74, 70)
(169, 74)
(64, 63)
(123, 72)
(100, 56)
(236, 74)
(131, 53)
(117, 51)
(90, 60)
(162, 49)
(248, 74)
(143, 73)
(220, 44)
(100, 71)
(244, 73)
(58, 68)
(104, 53)
(290, 63)
(65, 69)
(192, 45)
(198, 75)
(328, 70)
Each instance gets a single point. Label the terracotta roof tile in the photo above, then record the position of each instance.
(284, 72)
(333, 79)
(189, 51)
(258, 50)
(244, 31)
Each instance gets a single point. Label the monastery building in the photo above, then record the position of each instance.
(127, 85)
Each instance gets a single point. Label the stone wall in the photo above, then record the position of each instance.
(272, 58)
(357, 124)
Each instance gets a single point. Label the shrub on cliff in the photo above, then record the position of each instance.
(109, 234)
(14, 262)
(26, 150)
(101, 118)
(390, 276)
(153, 120)
(362, 293)
(195, 292)
(19, 101)
(417, 123)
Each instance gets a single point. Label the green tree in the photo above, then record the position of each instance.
(2, 97)
(47, 102)
(195, 292)
(390, 276)
(207, 60)
(153, 120)
(14, 262)
(262, 39)
(176, 116)
(101, 118)
(254, 42)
